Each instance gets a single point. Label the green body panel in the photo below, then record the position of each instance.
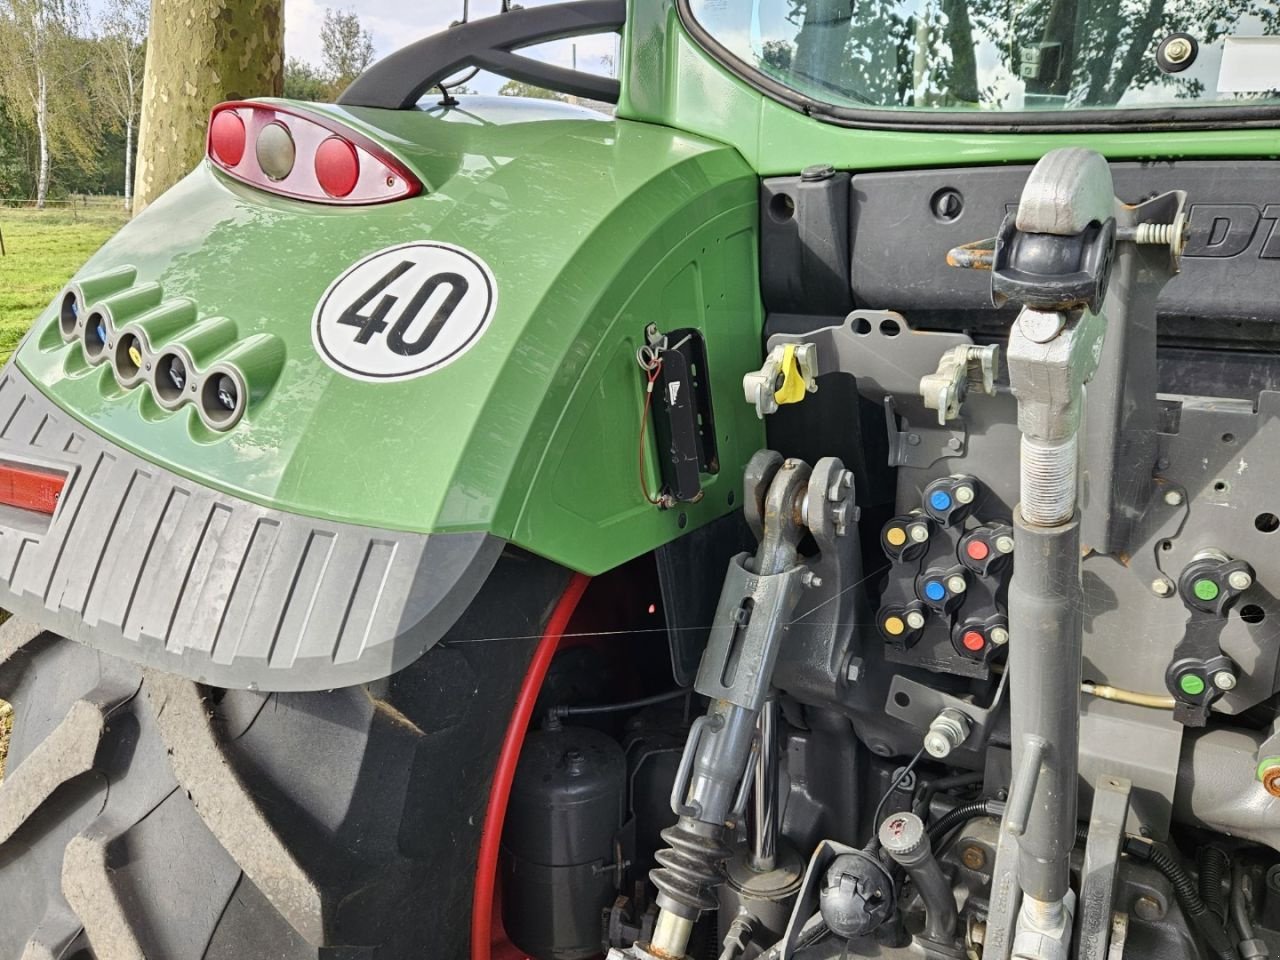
(669, 79)
(593, 228)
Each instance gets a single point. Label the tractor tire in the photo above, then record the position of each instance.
(143, 815)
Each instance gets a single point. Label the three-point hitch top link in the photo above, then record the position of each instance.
(784, 500)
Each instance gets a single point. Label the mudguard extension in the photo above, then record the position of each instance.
(144, 564)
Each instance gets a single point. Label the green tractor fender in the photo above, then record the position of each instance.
(335, 527)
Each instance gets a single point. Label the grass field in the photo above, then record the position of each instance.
(43, 248)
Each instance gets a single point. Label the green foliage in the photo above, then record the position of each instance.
(347, 51)
(43, 248)
(347, 48)
(17, 154)
(302, 81)
(514, 88)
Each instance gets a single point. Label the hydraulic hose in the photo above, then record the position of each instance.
(963, 814)
(1214, 868)
(905, 840)
(1239, 904)
(1184, 888)
(566, 711)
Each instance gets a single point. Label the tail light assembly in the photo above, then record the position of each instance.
(304, 157)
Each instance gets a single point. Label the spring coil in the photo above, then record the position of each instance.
(1154, 233)
(690, 866)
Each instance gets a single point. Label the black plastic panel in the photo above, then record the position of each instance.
(903, 224)
(804, 228)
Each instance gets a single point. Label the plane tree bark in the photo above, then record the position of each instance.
(200, 53)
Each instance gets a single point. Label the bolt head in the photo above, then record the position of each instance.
(964, 493)
(1161, 587)
(956, 584)
(1224, 680)
(999, 636)
(1173, 498)
(1271, 781)
(1148, 908)
(915, 619)
(1240, 580)
(811, 579)
(919, 532)
(1004, 543)
(1177, 50)
(936, 745)
(973, 857)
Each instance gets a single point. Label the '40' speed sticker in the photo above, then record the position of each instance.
(404, 311)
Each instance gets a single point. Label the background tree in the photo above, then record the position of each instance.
(119, 65)
(302, 81)
(43, 80)
(346, 48)
(515, 88)
(199, 53)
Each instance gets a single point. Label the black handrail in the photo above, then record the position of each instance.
(398, 81)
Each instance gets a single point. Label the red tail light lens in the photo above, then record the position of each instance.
(226, 137)
(30, 489)
(304, 157)
(337, 167)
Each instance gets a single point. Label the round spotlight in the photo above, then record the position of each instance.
(275, 150)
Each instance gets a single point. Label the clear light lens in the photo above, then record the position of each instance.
(275, 150)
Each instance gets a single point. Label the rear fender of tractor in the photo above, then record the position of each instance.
(307, 643)
(340, 526)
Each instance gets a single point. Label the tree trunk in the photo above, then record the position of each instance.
(199, 53)
(128, 165)
(42, 132)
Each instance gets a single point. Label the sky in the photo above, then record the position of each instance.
(394, 23)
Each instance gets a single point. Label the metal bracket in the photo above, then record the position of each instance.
(1101, 860)
(960, 370)
(917, 705)
(889, 359)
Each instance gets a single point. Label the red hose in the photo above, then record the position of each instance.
(496, 812)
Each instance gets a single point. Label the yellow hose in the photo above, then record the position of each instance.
(1153, 700)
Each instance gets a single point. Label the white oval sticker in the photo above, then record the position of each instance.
(404, 311)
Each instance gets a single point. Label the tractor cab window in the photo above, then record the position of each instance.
(1005, 55)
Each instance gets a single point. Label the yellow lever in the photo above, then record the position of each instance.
(793, 387)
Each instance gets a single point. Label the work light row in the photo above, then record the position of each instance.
(218, 393)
